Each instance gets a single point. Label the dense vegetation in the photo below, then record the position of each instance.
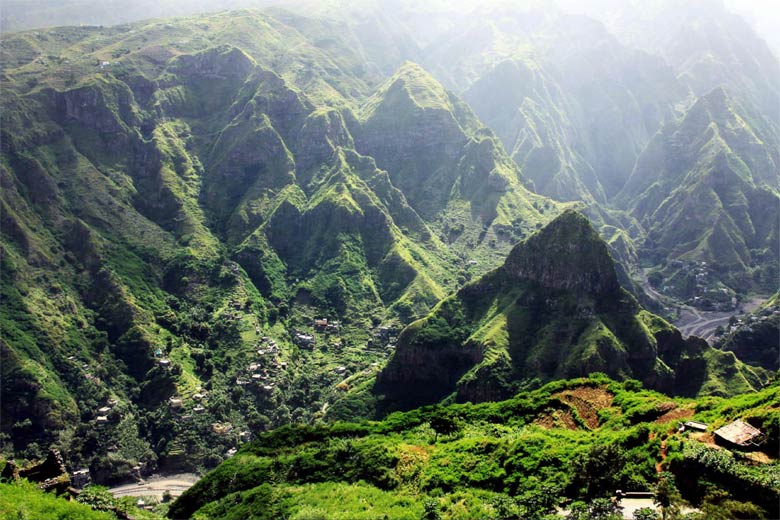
(24, 501)
(569, 441)
(554, 310)
(181, 199)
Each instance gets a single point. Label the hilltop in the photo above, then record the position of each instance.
(554, 310)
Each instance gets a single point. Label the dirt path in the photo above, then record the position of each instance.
(156, 486)
(663, 454)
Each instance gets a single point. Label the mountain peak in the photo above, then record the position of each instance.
(566, 254)
(410, 88)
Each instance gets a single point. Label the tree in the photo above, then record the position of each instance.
(505, 507)
(604, 509)
(666, 496)
(97, 497)
(444, 423)
(645, 513)
(540, 502)
(578, 511)
(594, 471)
(431, 510)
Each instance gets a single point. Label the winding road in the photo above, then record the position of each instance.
(695, 322)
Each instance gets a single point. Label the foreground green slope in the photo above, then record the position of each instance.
(519, 458)
(25, 501)
(554, 310)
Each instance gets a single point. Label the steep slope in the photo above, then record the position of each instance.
(706, 190)
(530, 115)
(136, 187)
(714, 47)
(454, 172)
(622, 96)
(554, 310)
(173, 193)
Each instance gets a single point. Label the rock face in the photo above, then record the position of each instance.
(566, 255)
(49, 474)
(554, 310)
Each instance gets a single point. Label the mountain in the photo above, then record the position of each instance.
(568, 442)
(170, 199)
(185, 202)
(526, 110)
(554, 310)
(457, 175)
(706, 191)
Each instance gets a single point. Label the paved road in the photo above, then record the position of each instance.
(695, 322)
(156, 486)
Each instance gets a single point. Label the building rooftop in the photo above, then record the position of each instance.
(739, 433)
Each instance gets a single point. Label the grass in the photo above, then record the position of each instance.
(25, 501)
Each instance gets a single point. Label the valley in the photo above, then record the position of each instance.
(446, 259)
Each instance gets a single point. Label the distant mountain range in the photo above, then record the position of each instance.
(181, 198)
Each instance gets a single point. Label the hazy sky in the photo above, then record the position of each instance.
(764, 15)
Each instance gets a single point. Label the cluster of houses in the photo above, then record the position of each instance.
(747, 324)
(707, 296)
(384, 337)
(234, 311)
(84, 367)
(176, 403)
(260, 372)
(323, 325)
(304, 340)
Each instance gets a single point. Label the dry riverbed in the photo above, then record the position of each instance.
(156, 485)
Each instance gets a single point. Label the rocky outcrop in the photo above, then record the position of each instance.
(419, 374)
(104, 105)
(216, 63)
(566, 255)
(49, 474)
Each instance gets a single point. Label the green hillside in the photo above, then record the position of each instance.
(216, 225)
(706, 191)
(567, 442)
(554, 310)
(173, 194)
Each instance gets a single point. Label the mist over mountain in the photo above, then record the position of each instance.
(252, 215)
